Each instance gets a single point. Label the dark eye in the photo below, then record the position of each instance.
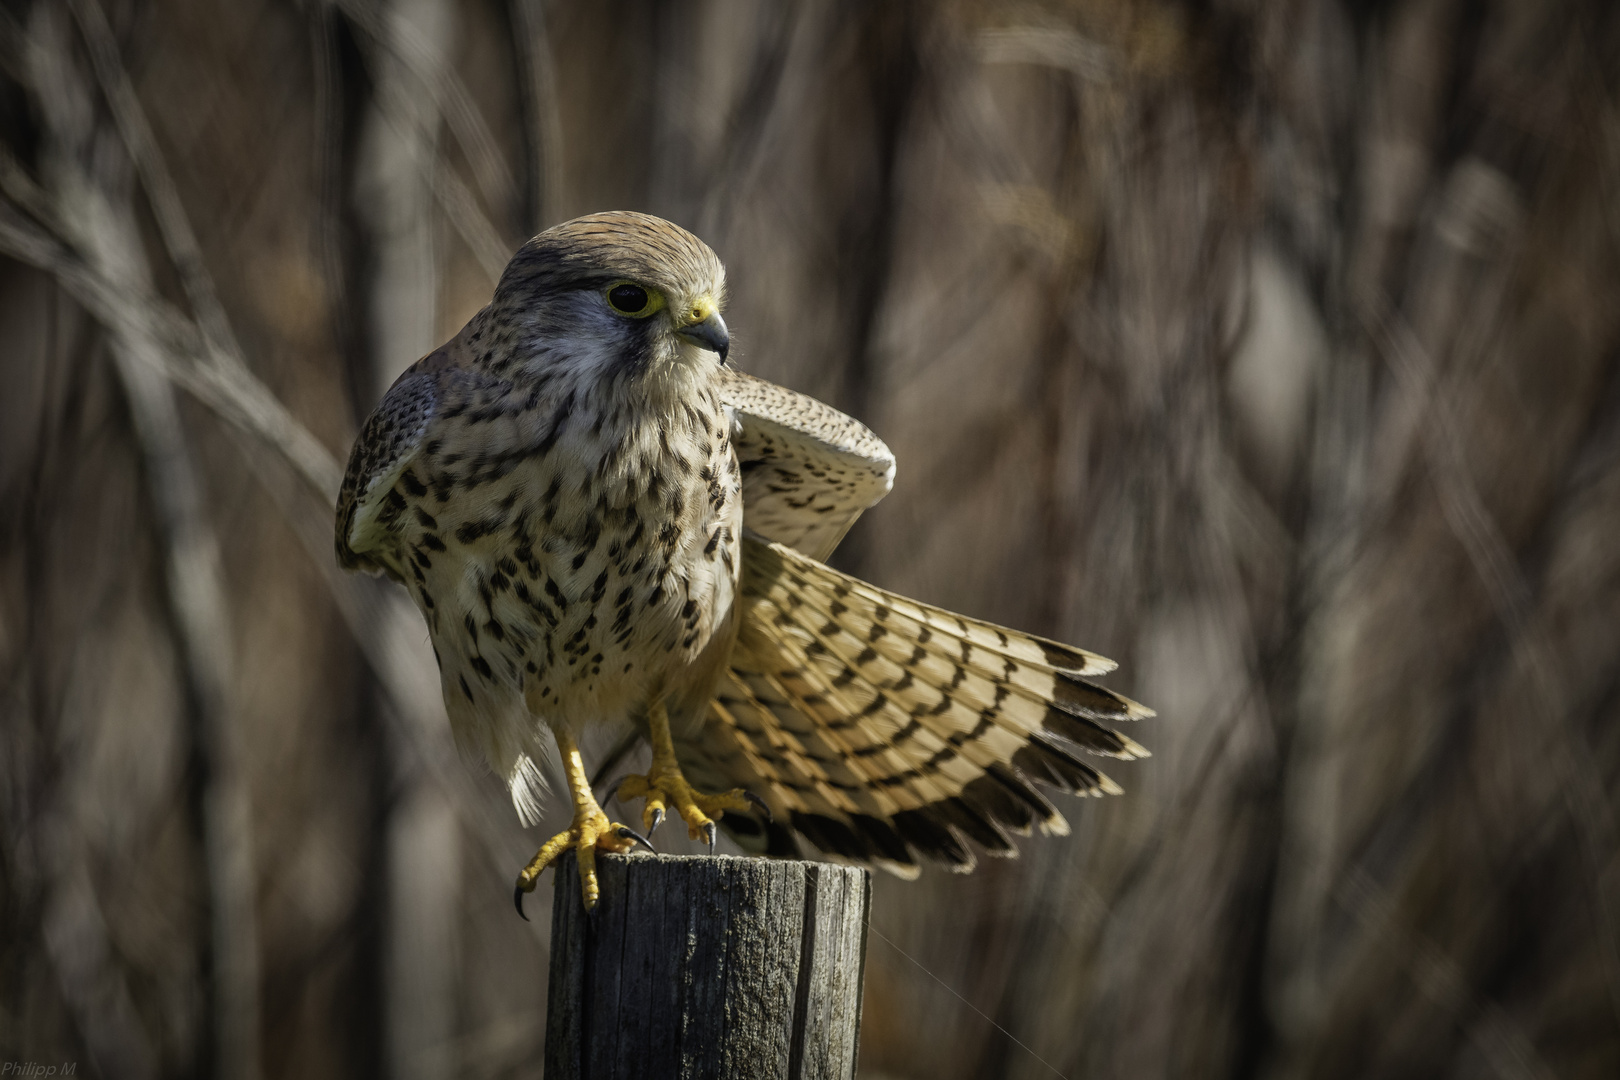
(628, 299)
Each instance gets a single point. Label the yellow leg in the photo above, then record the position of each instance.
(664, 785)
(591, 830)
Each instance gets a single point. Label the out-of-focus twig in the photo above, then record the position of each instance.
(95, 202)
(28, 196)
(448, 93)
(255, 417)
(139, 140)
(475, 228)
(1471, 522)
(237, 396)
(197, 598)
(250, 414)
(537, 89)
(428, 93)
(259, 422)
(1054, 47)
(405, 171)
(1499, 1039)
(13, 47)
(81, 948)
(755, 121)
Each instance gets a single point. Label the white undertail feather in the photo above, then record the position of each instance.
(527, 782)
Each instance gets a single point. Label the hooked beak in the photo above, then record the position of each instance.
(709, 334)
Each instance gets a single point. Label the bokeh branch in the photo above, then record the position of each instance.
(165, 345)
(94, 199)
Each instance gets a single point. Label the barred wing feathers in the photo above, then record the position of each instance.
(880, 727)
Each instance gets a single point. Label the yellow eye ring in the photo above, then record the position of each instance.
(633, 301)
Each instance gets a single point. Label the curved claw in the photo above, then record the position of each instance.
(657, 820)
(517, 898)
(709, 832)
(612, 790)
(630, 834)
(765, 807)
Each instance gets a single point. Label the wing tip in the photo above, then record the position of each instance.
(1131, 750)
(1077, 697)
(1072, 660)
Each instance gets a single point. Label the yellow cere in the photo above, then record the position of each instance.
(701, 309)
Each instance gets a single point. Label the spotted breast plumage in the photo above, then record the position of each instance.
(603, 523)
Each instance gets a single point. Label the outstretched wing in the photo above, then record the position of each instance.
(878, 727)
(368, 505)
(808, 470)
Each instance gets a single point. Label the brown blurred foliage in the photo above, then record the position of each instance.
(1269, 348)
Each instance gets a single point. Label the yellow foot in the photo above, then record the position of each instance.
(663, 787)
(591, 832)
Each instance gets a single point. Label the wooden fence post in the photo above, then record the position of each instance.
(707, 966)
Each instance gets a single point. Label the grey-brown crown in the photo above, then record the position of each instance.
(599, 248)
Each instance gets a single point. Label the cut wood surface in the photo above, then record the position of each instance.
(700, 966)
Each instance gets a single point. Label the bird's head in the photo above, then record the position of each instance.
(614, 297)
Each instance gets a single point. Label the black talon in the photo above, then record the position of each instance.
(708, 831)
(658, 819)
(628, 833)
(612, 790)
(517, 898)
(764, 806)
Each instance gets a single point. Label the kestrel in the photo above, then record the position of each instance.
(604, 523)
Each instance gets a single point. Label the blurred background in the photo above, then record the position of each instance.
(1270, 349)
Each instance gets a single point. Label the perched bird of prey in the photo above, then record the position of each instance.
(604, 523)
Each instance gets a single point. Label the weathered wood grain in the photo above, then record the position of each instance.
(696, 966)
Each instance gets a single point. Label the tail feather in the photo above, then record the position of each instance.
(976, 822)
(881, 727)
(879, 608)
(1049, 761)
(929, 831)
(901, 653)
(897, 627)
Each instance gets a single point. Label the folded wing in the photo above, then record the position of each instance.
(369, 506)
(808, 470)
